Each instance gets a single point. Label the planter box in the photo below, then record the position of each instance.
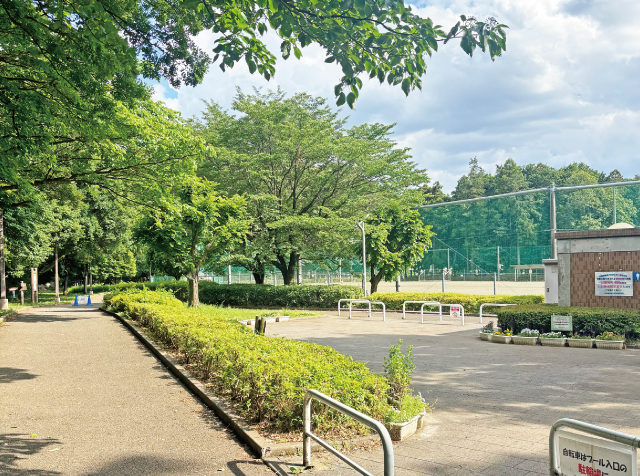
(501, 339)
(485, 336)
(584, 343)
(554, 342)
(518, 340)
(401, 431)
(610, 344)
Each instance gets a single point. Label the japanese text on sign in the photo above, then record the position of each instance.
(454, 312)
(562, 323)
(579, 454)
(618, 283)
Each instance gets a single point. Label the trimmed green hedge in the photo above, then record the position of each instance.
(252, 295)
(265, 377)
(587, 320)
(471, 302)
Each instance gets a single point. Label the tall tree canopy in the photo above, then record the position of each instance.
(309, 177)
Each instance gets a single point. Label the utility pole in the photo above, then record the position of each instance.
(552, 215)
(498, 263)
(229, 274)
(615, 218)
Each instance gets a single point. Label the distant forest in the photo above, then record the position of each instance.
(519, 226)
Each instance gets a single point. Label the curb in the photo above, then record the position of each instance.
(243, 430)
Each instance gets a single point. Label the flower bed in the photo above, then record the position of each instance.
(609, 340)
(553, 339)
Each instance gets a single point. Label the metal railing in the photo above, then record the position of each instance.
(492, 304)
(364, 301)
(424, 303)
(461, 311)
(605, 433)
(387, 445)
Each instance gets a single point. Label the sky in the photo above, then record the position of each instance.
(566, 90)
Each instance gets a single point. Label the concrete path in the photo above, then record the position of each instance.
(494, 404)
(80, 396)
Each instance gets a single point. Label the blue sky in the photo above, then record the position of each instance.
(567, 89)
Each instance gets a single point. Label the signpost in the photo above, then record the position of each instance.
(454, 312)
(614, 283)
(562, 323)
(581, 454)
(636, 276)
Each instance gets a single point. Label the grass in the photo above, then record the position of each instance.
(44, 299)
(238, 314)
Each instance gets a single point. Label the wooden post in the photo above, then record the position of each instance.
(34, 285)
(56, 276)
(4, 302)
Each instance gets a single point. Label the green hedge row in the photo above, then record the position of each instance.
(265, 377)
(471, 302)
(251, 295)
(586, 320)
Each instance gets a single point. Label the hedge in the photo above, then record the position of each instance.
(252, 295)
(587, 320)
(471, 302)
(265, 377)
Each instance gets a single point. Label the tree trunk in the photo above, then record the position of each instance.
(259, 277)
(375, 280)
(65, 287)
(287, 268)
(85, 280)
(194, 297)
(3, 283)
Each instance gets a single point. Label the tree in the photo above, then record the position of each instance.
(396, 239)
(194, 227)
(309, 177)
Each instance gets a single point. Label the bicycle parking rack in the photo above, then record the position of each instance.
(363, 301)
(605, 433)
(387, 446)
(492, 304)
(461, 311)
(424, 303)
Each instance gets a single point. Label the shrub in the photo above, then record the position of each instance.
(586, 320)
(265, 377)
(471, 302)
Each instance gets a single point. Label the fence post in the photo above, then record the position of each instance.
(443, 281)
(494, 284)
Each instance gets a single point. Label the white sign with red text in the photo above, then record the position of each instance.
(581, 454)
(614, 283)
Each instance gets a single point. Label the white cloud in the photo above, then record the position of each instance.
(566, 89)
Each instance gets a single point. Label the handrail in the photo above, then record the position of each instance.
(460, 306)
(492, 304)
(359, 300)
(424, 303)
(366, 301)
(307, 436)
(589, 429)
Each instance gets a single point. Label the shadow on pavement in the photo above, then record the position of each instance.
(137, 465)
(8, 375)
(14, 447)
(234, 466)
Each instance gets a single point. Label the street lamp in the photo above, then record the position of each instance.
(364, 260)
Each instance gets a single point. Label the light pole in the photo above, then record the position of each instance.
(364, 260)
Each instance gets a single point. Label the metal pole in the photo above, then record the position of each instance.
(364, 259)
(615, 218)
(299, 269)
(4, 302)
(448, 261)
(90, 279)
(552, 216)
(229, 274)
(56, 278)
(494, 284)
(442, 280)
(339, 271)
(498, 262)
(398, 283)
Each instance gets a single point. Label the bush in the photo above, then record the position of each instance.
(265, 377)
(471, 302)
(587, 320)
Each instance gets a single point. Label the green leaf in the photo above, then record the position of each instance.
(341, 99)
(285, 48)
(406, 86)
(296, 52)
(380, 75)
(351, 100)
(251, 64)
(330, 59)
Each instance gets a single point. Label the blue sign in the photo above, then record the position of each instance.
(636, 276)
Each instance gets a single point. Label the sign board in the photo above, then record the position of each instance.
(614, 283)
(82, 300)
(454, 312)
(581, 454)
(636, 276)
(562, 323)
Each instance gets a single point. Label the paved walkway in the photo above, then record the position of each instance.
(80, 396)
(494, 403)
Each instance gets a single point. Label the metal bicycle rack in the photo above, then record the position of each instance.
(387, 445)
